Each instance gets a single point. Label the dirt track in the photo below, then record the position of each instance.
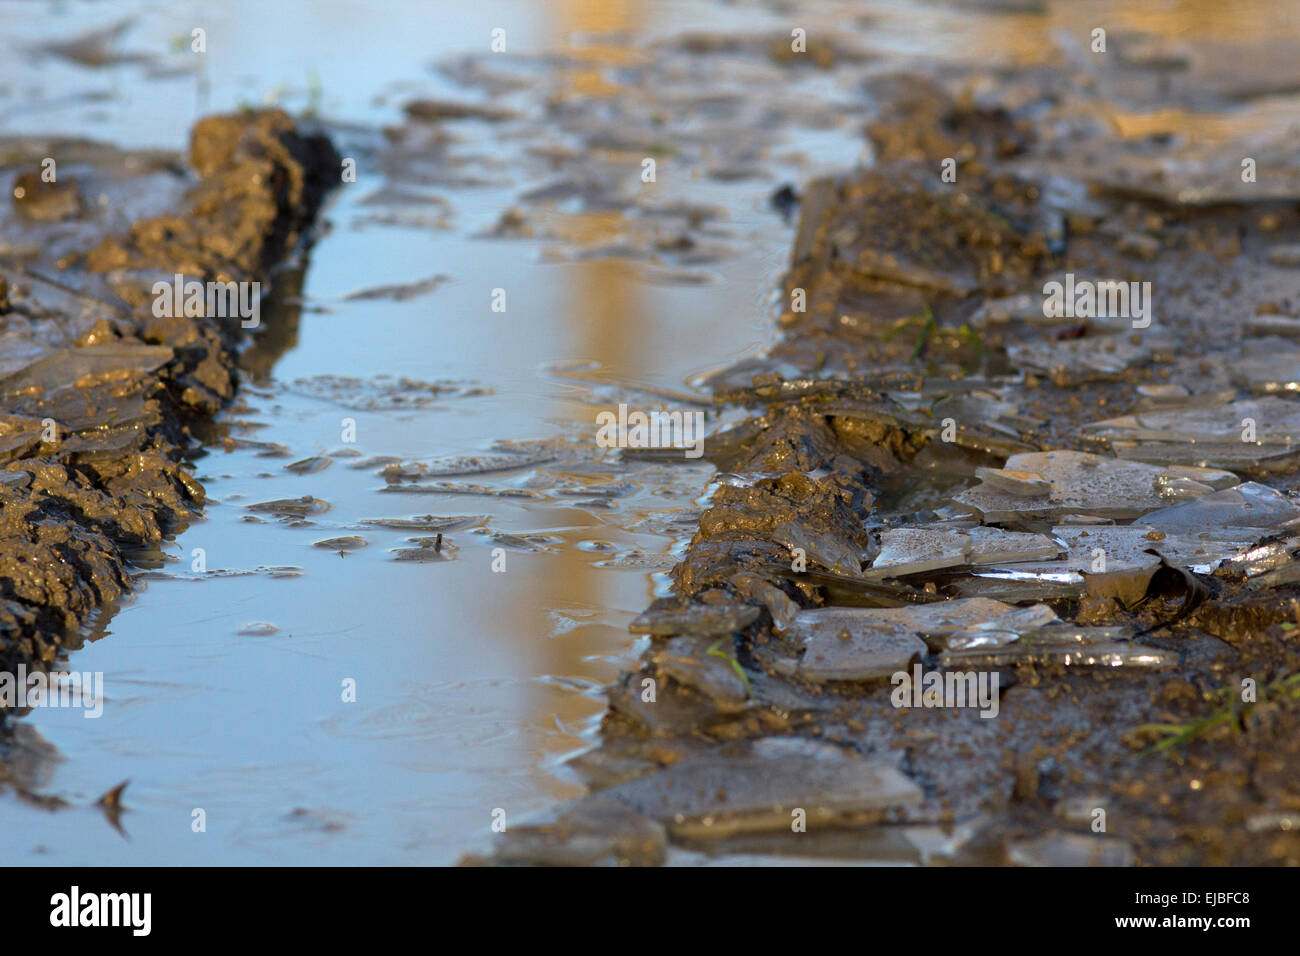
(1140, 546)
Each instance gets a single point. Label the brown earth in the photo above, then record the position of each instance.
(900, 318)
(99, 397)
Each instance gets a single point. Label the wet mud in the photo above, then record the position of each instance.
(102, 399)
(933, 472)
(926, 472)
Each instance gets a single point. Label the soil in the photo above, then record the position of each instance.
(906, 364)
(100, 399)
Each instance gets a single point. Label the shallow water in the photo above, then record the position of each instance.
(472, 685)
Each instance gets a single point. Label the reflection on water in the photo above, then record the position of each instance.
(472, 683)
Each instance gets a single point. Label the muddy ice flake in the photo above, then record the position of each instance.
(427, 550)
(756, 789)
(914, 550)
(1000, 630)
(309, 466)
(1274, 373)
(526, 544)
(1038, 647)
(1244, 513)
(291, 507)
(1071, 362)
(1081, 483)
(460, 488)
(64, 367)
(401, 292)
(702, 620)
(1232, 435)
(430, 523)
(843, 643)
(1070, 849)
(753, 587)
(346, 543)
(834, 652)
(591, 831)
(1269, 563)
(458, 465)
(1022, 484)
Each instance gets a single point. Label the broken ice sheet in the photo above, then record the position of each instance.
(826, 549)
(65, 367)
(913, 550)
(589, 831)
(1119, 561)
(1000, 630)
(1269, 325)
(1261, 559)
(461, 488)
(454, 466)
(527, 544)
(1021, 307)
(1267, 366)
(309, 466)
(291, 507)
(755, 788)
(1063, 644)
(426, 551)
(1245, 513)
(1022, 484)
(430, 523)
(1070, 849)
(637, 560)
(1203, 180)
(400, 292)
(383, 392)
(1081, 483)
(847, 643)
(665, 619)
(1070, 362)
(1007, 584)
(1235, 434)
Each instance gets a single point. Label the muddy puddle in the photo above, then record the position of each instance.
(420, 598)
(405, 493)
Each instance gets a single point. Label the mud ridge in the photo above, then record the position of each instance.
(101, 396)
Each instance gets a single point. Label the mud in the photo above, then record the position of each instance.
(963, 549)
(100, 397)
(924, 432)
